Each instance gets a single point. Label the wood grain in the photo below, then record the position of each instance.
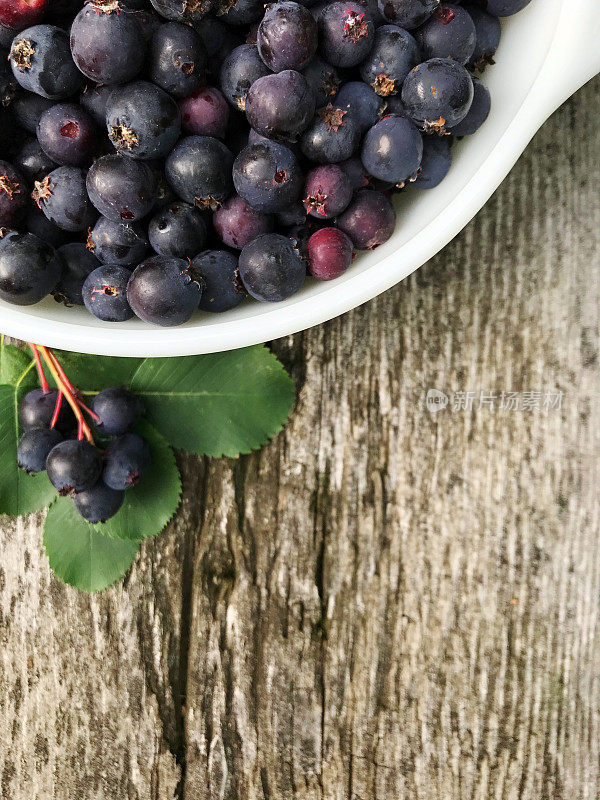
(385, 603)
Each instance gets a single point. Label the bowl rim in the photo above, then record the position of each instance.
(553, 83)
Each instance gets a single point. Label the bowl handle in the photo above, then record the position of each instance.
(574, 56)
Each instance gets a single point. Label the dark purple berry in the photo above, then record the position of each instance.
(393, 56)
(73, 466)
(327, 191)
(28, 108)
(188, 11)
(99, 503)
(361, 102)
(78, 262)
(477, 114)
(280, 106)
(437, 94)
(33, 162)
(121, 188)
(94, 100)
(13, 194)
(392, 150)
(63, 198)
(36, 410)
(323, 79)
(369, 220)
(125, 461)
(107, 45)
(29, 269)
(37, 222)
(122, 243)
(267, 176)
(199, 171)
(143, 121)
(41, 62)
(448, 33)
(223, 289)
(287, 36)
(33, 448)
(105, 293)
(117, 410)
(505, 8)
(164, 291)
(177, 59)
(205, 113)
(177, 230)
(346, 33)
(271, 269)
(67, 134)
(436, 161)
(240, 69)
(487, 37)
(237, 223)
(407, 14)
(333, 136)
(329, 254)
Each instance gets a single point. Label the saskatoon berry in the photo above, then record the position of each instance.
(73, 466)
(487, 37)
(407, 14)
(437, 94)
(237, 223)
(346, 33)
(177, 59)
(28, 108)
(13, 194)
(280, 106)
(19, 14)
(323, 79)
(271, 269)
(369, 220)
(34, 446)
(287, 36)
(189, 11)
(240, 69)
(105, 293)
(36, 410)
(356, 173)
(63, 198)
(223, 289)
(506, 8)
(33, 162)
(42, 64)
(78, 262)
(267, 176)
(361, 102)
(177, 230)
(333, 136)
(205, 113)
(121, 188)
(294, 214)
(448, 33)
(118, 410)
(240, 12)
(125, 461)
(436, 161)
(327, 191)
(94, 100)
(108, 46)
(67, 134)
(199, 171)
(477, 114)
(37, 222)
(143, 121)
(98, 504)
(122, 243)
(394, 54)
(29, 269)
(392, 150)
(329, 254)
(164, 290)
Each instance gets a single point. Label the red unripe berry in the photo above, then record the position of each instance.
(329, 254)
(21, 14)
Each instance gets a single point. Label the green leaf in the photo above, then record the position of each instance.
(14, 363)
(149, 506)
(217, 404)
(80, 554)
(92, 373)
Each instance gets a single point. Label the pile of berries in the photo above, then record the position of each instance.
(56, 438)
(163, 156)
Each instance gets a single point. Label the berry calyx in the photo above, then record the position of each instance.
(332, 117)
(355, 26)
(42, 190)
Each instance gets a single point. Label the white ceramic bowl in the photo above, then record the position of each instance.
(547, 52)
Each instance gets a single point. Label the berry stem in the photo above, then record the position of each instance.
(39, 367)
(57, 408)
(68, 392)
(75, 392)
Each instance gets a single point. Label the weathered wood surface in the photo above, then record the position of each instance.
(384, 603)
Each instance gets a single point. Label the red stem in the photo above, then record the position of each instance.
(57, 408)
(39, 367)
(69, 392)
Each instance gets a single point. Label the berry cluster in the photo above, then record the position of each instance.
(163, 156)
(56, 438)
